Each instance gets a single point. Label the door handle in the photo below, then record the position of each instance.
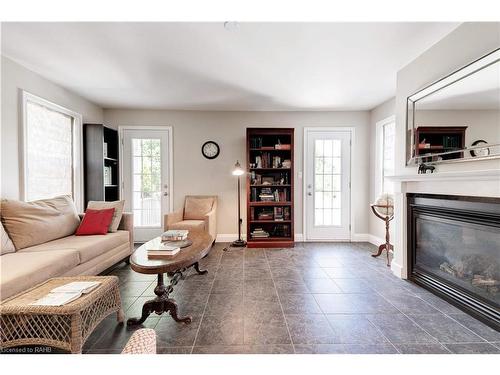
(165, 194)
(309, 193)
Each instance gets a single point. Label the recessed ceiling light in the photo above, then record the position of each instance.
(231, 25)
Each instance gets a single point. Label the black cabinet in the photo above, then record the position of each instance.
(101, 163)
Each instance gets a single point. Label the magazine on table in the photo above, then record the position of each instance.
(67, 293)
(158, 249)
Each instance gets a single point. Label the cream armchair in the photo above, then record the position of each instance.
(199, 213)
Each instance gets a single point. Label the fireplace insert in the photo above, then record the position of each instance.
(454, 251)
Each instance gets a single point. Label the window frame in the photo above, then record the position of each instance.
(77, 139)
(379, 158)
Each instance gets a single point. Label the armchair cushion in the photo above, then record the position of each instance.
(191, 225)
(195, 208)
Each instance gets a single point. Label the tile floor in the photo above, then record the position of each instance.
(314, 298)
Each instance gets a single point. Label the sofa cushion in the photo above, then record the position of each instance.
(88, 247)
(117, 215)
(23, 270)
(95, 222)
(33, 223)
(195, 208)
(188, 224)
(6, 245)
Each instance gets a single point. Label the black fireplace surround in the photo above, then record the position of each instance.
(454, 251)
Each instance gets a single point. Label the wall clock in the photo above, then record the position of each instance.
(210, 150)
(480, 151)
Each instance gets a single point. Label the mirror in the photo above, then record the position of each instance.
(458, 117)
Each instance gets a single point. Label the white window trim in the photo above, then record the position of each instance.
(77, 146)
(379, 153)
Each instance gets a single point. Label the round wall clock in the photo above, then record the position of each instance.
(480, 151)
(210, 150)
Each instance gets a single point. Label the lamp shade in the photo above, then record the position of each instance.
(238, 171)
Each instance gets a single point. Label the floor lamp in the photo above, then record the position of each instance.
(238, 171)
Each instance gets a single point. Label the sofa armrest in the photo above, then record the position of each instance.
(127, 223)
(172, 217)
(211, 223)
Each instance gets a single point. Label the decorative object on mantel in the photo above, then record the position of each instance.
(423, 168)
(384, 209)
(479, 152)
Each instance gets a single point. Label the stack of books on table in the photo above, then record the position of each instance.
(259, 233)
(175, 235)
(156, 249)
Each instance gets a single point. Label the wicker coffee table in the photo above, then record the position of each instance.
(65, 327)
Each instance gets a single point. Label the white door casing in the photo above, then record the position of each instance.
(327, 184)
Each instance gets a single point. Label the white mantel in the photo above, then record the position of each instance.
(484, 183)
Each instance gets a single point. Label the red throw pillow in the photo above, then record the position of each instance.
(95, 222)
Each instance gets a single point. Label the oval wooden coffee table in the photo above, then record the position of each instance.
(186, 258)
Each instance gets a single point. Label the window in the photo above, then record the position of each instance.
(52, 150)
(385, 155)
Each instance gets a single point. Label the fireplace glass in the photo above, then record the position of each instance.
(465, 254)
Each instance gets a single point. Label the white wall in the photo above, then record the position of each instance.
(465, 44)
(379, 113)
(193, 174)
(481, 124)
(14, 79)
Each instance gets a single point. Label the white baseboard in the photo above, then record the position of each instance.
(398, 270)
(366, 237)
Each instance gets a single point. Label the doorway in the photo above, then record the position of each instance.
(146, 177)
(327, 184)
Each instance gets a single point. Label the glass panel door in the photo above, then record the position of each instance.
(327, 185)
(147, 191)
(146, 180)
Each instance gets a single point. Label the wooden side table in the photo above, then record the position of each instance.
(66, 327)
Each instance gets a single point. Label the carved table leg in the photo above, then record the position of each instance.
(197, 269)
(171, 306)
(161, 303)
(147, 309)
(380, 249)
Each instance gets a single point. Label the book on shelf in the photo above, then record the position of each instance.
(265, 214)
(174, 235)
(278, 214)
(259, 233)
(67, 293)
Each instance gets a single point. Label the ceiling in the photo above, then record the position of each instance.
(204, 66)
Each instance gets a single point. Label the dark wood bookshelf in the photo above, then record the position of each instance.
(261, 143)
(94, 137)
(439, 139)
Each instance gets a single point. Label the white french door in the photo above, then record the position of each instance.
(146, 180)
(327, 184)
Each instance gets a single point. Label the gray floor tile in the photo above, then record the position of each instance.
(355, 329)
(353, 286)
(410, 304)
(266, 330)
(218, 330)
(310, 329)
(473, 348)
(244, 349)
(224, 305)
(353, 304)
(322, 286)
(480, 329)
(400, 330)
(171, 333)
(422, 349)
(291, 286)
(445, 329)
(299, 304)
